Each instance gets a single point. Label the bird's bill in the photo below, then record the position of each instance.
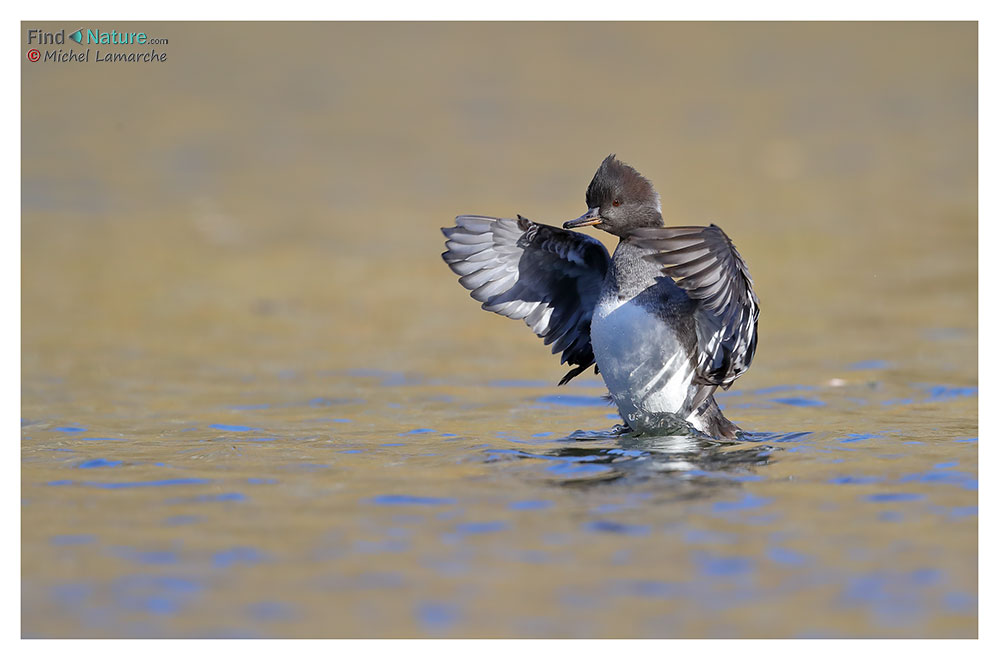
(591, 217)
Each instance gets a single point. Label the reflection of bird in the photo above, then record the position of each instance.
(663, 344)
(690, 466)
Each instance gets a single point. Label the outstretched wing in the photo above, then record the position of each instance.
(704, 262)
(547, 276)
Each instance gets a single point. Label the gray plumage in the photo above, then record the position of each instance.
(669, 319)
(705, 263)
(548, 277)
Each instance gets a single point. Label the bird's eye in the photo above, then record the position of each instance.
(616, 202)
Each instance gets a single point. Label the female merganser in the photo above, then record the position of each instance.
(668, 320)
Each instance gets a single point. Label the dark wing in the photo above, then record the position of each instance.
(547, 276)
(704, 262)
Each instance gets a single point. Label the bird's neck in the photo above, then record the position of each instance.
(651, 218)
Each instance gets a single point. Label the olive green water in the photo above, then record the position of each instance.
(256, 403)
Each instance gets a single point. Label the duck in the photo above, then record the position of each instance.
(667, 320)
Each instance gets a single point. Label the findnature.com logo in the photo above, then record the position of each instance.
(90, 36)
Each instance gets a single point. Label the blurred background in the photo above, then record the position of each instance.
(256, 402)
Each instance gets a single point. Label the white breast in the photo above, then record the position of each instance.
(641, 361)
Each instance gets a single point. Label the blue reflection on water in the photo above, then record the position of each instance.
(963, 511)
(894, 598)
(864, 365)
(482, 527)
(856, 479)
(627, 452)
(72, 594)
(209, 497)
(786, 557)
(768, 437)
(778, 388)
(943, 392)
(955, 477)
(568, 469)
(410, 500)
(98, 463)
(132, 484)
(960, 602)
(159, 594)
(612, 527)
(857, 437)
(935, 394)
(800, 402)
(747, 501)
(437, 616)
(72, 539)
(238, 555)
(235, 428)
(530, 505)
(708, 536)
(723, 566)
(894, 497)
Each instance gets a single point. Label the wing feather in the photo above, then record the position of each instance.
(549, 277)
(704, 262)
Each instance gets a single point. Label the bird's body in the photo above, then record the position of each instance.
(641, 358)
(667, 320)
